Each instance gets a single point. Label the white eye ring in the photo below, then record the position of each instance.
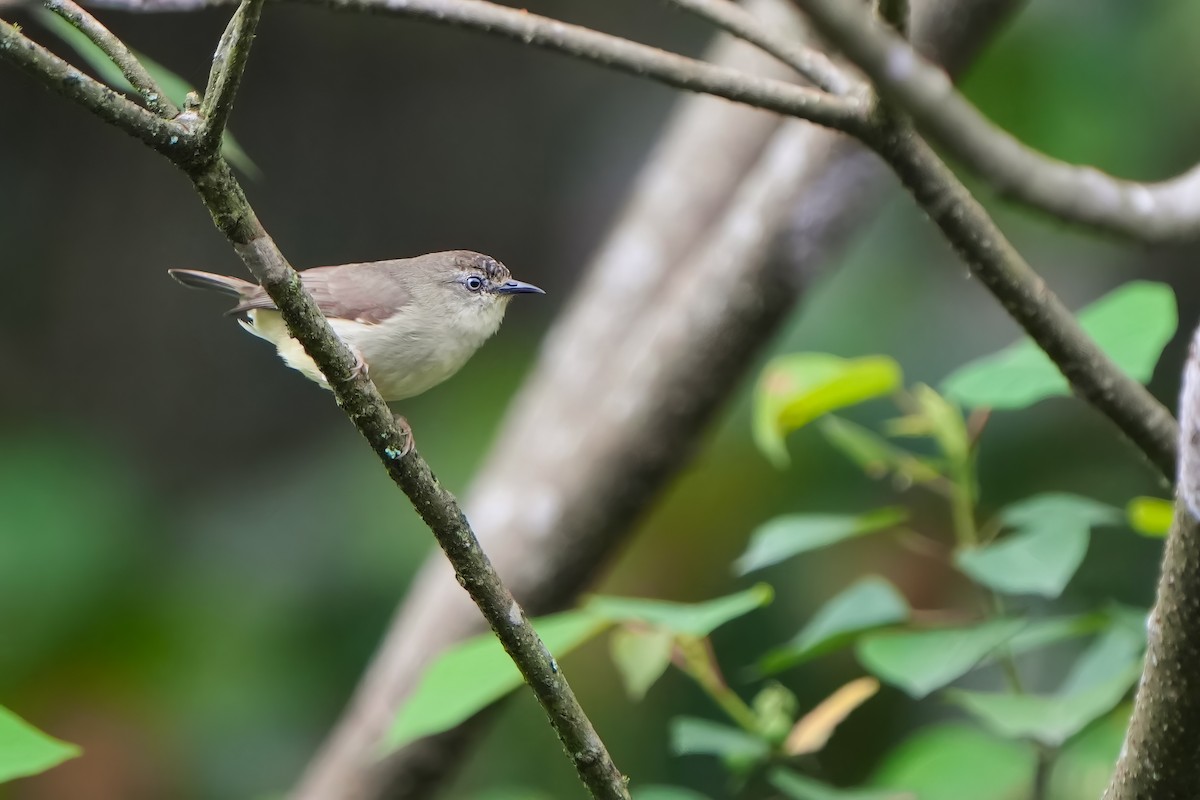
(474, 283)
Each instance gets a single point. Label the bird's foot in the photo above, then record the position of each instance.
(360, 364)
(406, 438)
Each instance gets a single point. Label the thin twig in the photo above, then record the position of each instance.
(1022, 292)
(587, 44)
(812, 64)
(228, 65)
(133, 70)
(165, 136)
(1152, 212)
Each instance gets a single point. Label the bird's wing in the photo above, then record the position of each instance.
(367, 293)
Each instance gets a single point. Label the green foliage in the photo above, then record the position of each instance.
(693, 619)
(1098, 681)
(1085, 764)
(24, 750)
(793, 534)
(1051, 539)
(1131, 324)
(799, 787)
(875, 455)
(922, 661)
(641, 656)
(796, 389)
(739, 750)
(955, 761)
(476, 673)
(1150, 516)
(868, 604)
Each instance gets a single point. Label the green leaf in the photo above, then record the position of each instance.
(921, 661)
(940, 420)
(24, 750)
(173, 86)
(1050, 720)
(693, 736)
(692, 619)
(1131, 324)
(666, 793)
(875, 455)
(794, 390)
(1085, 764)
(793, 534)
(801, 787)
(1150, 516)
(641, 657)
(1039, 633)
(1097, 682)
(955, 762)
(867, 604)
(1042, 556)
(471, 676)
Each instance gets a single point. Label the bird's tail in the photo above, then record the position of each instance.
(224, 284)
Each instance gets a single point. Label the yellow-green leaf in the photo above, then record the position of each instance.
(1150, 516)
(796, 389)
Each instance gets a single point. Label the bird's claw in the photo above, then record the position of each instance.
(406, 436)
(360, 365)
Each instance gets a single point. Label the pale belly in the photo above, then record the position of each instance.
(402, 364)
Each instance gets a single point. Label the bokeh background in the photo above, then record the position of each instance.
(197, 555)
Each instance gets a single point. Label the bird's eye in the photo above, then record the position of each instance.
(474, 283)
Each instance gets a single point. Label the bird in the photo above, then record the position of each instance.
(411, 323)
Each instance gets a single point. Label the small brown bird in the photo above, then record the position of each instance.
(410, 322)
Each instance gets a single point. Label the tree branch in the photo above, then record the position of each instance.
(1022, 292)
(229, 62)
(354, 392)
(165, 136)
(141, 80)
(1159, 758)
(587, 482)
(1151, 212)
(589, 45)
(812, 64)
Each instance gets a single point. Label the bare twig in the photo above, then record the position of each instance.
(1158, 760)
(229, 62)
(165, 136)
(358, 397)
(141, 80)
(812, 64)
(1153, 212)
(590, 45)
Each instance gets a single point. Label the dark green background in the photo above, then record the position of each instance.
(197, 555)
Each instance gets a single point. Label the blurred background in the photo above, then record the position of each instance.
(197, 556)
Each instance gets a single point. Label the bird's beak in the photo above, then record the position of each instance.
(518, 287)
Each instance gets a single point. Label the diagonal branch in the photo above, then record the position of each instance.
(358, 397)
(133, 70)
(1152, 212)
